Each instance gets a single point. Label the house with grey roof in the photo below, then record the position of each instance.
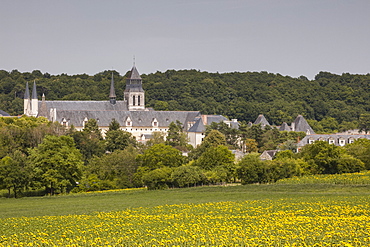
(335, 139)
(130, 113)
(299, 124)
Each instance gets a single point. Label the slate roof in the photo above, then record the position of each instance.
(4, 114)
(27, 92)
(261, 120)
(198, 126)
(86, 105)
(334, 137)
(300, 124)
(134, 74)
(284, 127)
(112, 93)
(34, 93)
(104, 112)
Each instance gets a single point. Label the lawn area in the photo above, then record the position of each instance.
(252, 215)
(87, 203)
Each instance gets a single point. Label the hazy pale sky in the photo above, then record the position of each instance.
(290, 37)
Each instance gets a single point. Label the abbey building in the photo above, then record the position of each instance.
(130, 112)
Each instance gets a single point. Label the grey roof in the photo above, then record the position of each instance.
(335, 137)
(284, 127)
(112, 93)
(300, 124)
(86, 105)
(134, 73)
(43, 111)
(27, 92)
(198, 126)
(4, 114)
(261, 120)
(34, 93)
(208, 119)
(104, 112)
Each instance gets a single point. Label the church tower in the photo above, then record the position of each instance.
(134, 93)
(27, 101)
(34, 102)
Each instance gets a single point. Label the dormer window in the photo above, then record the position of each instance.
(85, 122)
(310, 141)
(342, 142)
(128, 121)
(351, 140)
(331, 140)
(154, 122)
(64, 122)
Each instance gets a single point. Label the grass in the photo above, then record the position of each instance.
(90, 203)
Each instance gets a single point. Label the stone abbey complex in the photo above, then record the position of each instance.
(130, 112)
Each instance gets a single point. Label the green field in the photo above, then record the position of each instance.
(252, 215)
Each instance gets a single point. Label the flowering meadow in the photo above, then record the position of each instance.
(300, 221)
(359, 178)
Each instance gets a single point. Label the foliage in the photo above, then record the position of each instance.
(14, 173)
(329, 159)
(56, 163)
(360, 149)
(175, 137)
(218, 159)
(111, 171)
(160, 155)
(364, 123)
(186, 175)
(231, 134)
(159, 178)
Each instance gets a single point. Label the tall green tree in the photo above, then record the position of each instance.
(176, 137)
(57, 163)
(14, 173)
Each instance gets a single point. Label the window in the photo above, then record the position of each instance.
(138, 100)
(133, 100)
(342, 142)
(331, 141)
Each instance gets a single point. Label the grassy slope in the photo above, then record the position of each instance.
(114, 201)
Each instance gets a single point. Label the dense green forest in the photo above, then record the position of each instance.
(337, 99)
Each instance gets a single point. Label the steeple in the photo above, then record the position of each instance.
(34, 93)
(112, 93)
(134, 93)
(34, 101)
(27, 101)
(27, 92)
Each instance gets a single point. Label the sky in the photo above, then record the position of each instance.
(289, 37)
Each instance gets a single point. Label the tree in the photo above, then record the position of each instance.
(57, 163)
(159, 178)
(14, 173)
(214, 139)
(175, 137)
(251, 169)
(92, 129)
(360, 149)
(232, 135)
(216, 158)
(364, 123)
(186, 175)
(326, 158)
(118, 140)
(111, 171)
(161, 155)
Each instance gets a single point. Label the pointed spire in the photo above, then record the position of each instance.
(34, 93)
(27, 92)
(43, 108)
(112, 93)
(134, 74)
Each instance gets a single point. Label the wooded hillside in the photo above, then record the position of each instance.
(241, 95)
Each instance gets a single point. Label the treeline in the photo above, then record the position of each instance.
(38, 157)
(332, 102)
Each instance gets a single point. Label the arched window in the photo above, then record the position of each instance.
(133, 100)
(138, 100)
